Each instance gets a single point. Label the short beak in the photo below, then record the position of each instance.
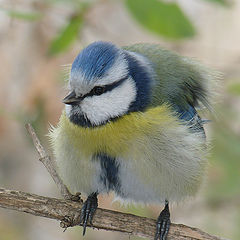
(71, 99)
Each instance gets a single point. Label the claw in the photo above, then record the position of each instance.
(76, 197)
(163, 224)
(88, 210)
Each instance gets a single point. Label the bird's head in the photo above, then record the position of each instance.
(107, 82)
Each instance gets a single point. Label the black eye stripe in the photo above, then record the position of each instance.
(110, 87)
(98, 90)
(107, 88)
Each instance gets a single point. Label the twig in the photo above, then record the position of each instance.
(64, 210)
(48, 163)
(68, 211)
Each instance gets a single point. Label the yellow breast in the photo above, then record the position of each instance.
(115, 138)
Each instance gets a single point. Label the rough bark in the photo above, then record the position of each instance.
(48, 163)
(67, 211)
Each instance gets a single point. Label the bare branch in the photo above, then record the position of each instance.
(104, 219)
(48, 163)
(67, 211)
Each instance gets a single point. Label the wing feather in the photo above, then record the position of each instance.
(180, 81)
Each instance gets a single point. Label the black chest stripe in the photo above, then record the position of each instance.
(109, 172)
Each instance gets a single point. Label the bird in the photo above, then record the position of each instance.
(131, 125)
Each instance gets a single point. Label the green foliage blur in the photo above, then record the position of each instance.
(160, 17)
(22, 15)
(163, 18)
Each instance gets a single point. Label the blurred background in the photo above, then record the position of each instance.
(38, 37)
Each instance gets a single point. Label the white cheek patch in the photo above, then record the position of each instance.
(99, 109)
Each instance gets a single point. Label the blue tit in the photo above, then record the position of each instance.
(131, 126)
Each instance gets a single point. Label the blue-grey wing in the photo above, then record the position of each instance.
(190, 117)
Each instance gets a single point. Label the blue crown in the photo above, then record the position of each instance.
(95, 60)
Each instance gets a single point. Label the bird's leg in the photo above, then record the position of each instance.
(163, 223)
(88, 210)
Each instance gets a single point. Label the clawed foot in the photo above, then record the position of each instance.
(66, 222)
(163, 224)
(76, 197)
(88, 210)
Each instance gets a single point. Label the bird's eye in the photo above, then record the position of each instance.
(98, 90)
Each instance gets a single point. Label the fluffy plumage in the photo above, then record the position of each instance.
(157, 157)
(131, 124)
(148, 120)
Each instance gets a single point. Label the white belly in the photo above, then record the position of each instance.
(166, 164)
